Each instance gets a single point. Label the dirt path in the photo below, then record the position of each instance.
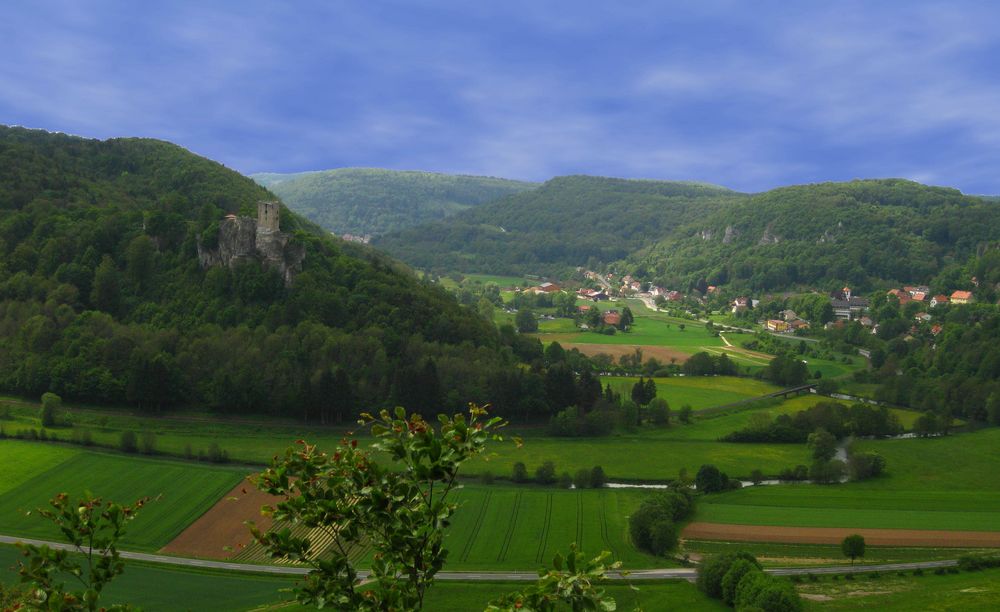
(834, 535)
(220, 532)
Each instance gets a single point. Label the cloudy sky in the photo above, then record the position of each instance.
(748, 94)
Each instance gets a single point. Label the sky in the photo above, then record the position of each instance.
(746, 94)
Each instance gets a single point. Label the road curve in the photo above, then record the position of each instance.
(672, 573)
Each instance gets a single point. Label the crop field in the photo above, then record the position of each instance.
(161, 588)
(181, 492)
(697, 391)
(504, 527)
(649, 331)
(23, 460)
(775, 554)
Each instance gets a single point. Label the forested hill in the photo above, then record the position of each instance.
(568, 221)
(103, 298)
(866, 233)
(364, 201)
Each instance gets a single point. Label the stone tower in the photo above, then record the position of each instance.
(267, 216)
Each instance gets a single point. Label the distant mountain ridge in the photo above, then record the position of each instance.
(863, 232)
(373, 201)
(569, 221)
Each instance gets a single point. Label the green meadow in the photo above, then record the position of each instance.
(951, 482)
(180, 491)
(697, 391)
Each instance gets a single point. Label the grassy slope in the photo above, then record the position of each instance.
(181, 492)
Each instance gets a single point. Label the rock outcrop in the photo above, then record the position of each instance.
(731, 234)
(241, 240)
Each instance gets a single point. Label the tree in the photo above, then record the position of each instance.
(519, 473)
(127, 442)
(526, 321)
(597, 477)
(582, 479)
(554, 353)
(352, 498)
(823, 444)
(853, 546)
(659, 411)
(139, 261)
(713, 570)
(710, 480)
(571, 588)
(50, 406)
(93, 527)
(756, 477)
(106, 292)
(684, 414)
(546, 473)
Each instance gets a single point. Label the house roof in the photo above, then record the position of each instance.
(961, 295)
(940, 298)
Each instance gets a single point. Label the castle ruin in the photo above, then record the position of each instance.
(268, 214)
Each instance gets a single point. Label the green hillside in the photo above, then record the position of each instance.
(866, 233)
(371, 201)
(103, 298)
(567, 222)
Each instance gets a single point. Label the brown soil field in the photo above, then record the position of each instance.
(834, 535)
(220, 532)
(663, 353)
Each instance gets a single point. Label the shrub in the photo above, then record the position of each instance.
(127, 442)
(546, 473)
(971, 563)
(597, 477)
(188, 453)
(652, 526)
(486, 477)
(148, 442)
(582, 479)
(918, 572)
(50, 404)
(519, 473)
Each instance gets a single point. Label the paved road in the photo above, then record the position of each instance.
(674, 573)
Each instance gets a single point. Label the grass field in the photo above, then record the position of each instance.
(773, 554)
(183, 491)
(159, 588)
(697, 391)
(667, 596)
(971, 591)
(951, 482)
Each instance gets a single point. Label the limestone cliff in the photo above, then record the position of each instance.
(241, 240)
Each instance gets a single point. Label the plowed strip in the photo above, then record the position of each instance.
(833, 535)
(222, 526)
(663, 353)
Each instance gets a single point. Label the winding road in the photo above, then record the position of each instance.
(673, 573)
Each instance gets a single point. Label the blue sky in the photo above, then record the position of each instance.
(750, 94)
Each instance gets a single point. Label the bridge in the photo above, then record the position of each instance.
(782, 394)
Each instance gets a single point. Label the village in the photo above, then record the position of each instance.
(743, 310)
